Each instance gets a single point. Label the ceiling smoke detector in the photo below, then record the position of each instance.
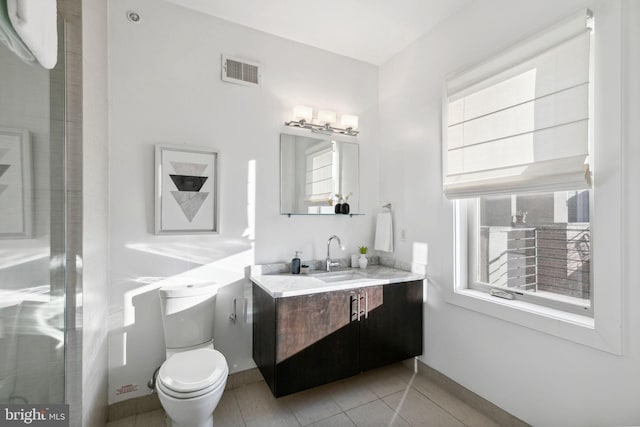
(133, 16)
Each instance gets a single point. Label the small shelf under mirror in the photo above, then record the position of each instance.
(321, 214)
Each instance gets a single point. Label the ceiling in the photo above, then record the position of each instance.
(372, 31)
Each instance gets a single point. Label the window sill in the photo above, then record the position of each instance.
(527, 307)
(572, 327)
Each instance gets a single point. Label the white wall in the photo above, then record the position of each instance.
(165, 87)
(542, 379)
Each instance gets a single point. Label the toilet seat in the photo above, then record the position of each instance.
(163, 389)
(193, 373)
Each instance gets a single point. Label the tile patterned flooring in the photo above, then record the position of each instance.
(389, 396)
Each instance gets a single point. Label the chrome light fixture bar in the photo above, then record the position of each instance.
(303, 116)
(325, 129)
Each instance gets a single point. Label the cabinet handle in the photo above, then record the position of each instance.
(366, 305)
(353, 304)
(359, 312)
(233, 316)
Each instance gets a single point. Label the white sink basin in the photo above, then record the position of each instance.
(340, 276)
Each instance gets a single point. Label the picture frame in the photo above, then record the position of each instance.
(186, 190)
(16, 184)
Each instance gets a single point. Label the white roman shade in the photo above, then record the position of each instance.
(321, 172)
(520, 121)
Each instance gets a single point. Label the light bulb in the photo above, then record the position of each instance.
(301, 112)
(325, 116)
(349, 121)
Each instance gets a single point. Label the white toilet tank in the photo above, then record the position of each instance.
(188, 313)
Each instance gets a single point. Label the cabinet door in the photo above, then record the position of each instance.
(391, 330)
(316, 340)
(264, 336)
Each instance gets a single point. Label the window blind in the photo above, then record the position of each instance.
(520, 121)
(320, 179)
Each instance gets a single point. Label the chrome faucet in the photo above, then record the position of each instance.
(329, 263)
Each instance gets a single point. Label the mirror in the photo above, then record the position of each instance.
(313, 170)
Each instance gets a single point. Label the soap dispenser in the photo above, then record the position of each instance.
(295, 264)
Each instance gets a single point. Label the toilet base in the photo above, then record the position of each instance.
(198, 392)
(192, 412)
(206, 423)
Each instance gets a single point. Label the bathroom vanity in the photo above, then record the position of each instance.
(312, 329)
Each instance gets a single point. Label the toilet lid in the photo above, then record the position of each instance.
(193, 370)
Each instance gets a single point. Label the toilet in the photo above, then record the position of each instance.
(191, 381)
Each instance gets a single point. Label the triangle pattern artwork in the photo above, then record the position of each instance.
(2, 188)
(188, 182)
(193, 169)
(3, 169)
(3, 151)
(190, 202)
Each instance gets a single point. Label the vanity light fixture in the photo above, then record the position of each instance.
(326, 117)
(302, 113)
(349, 121)
(303, 116)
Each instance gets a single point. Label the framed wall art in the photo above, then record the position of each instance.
(186, 190)
(16, 184)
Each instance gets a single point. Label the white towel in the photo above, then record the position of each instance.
(37, 25)
(10, 38)
(384, 232)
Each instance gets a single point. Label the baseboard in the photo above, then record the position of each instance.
(477, 402)
(150, 402)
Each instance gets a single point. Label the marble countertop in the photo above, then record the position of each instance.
(287, 285)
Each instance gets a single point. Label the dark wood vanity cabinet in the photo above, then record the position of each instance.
(392, 330)
(304, 341)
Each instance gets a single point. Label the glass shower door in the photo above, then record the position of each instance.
(32, 231)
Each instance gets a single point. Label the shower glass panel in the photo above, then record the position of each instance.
(32, 229)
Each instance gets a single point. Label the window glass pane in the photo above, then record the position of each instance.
(536, 243)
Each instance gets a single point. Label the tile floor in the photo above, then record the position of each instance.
(389, 396)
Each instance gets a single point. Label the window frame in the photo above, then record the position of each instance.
(473, 230)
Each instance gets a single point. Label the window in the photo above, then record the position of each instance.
(606, 202)
(517, 161)
(536, 247)
(321, 176)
